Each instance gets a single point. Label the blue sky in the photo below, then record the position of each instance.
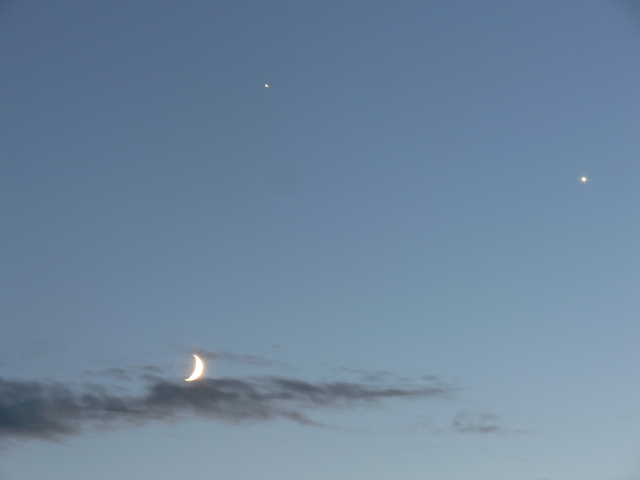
(389, 247)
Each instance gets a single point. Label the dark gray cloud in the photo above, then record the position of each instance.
(49, 410)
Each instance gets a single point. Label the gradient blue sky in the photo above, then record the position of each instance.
(403, 200)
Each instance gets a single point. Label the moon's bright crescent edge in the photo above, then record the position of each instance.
(197, 371)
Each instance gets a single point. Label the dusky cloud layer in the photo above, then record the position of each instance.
(30, 409)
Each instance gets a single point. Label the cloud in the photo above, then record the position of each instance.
(483, 423)
(115, 373)
(373, 375)
(225, 356)
(49, 410)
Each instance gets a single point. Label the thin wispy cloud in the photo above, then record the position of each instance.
(484, 423)
(371, 375)
(31, 409)
(114, 373)
(242, 359)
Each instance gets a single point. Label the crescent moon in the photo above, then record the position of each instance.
(197, 371)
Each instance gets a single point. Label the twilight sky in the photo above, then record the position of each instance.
(386, 258)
